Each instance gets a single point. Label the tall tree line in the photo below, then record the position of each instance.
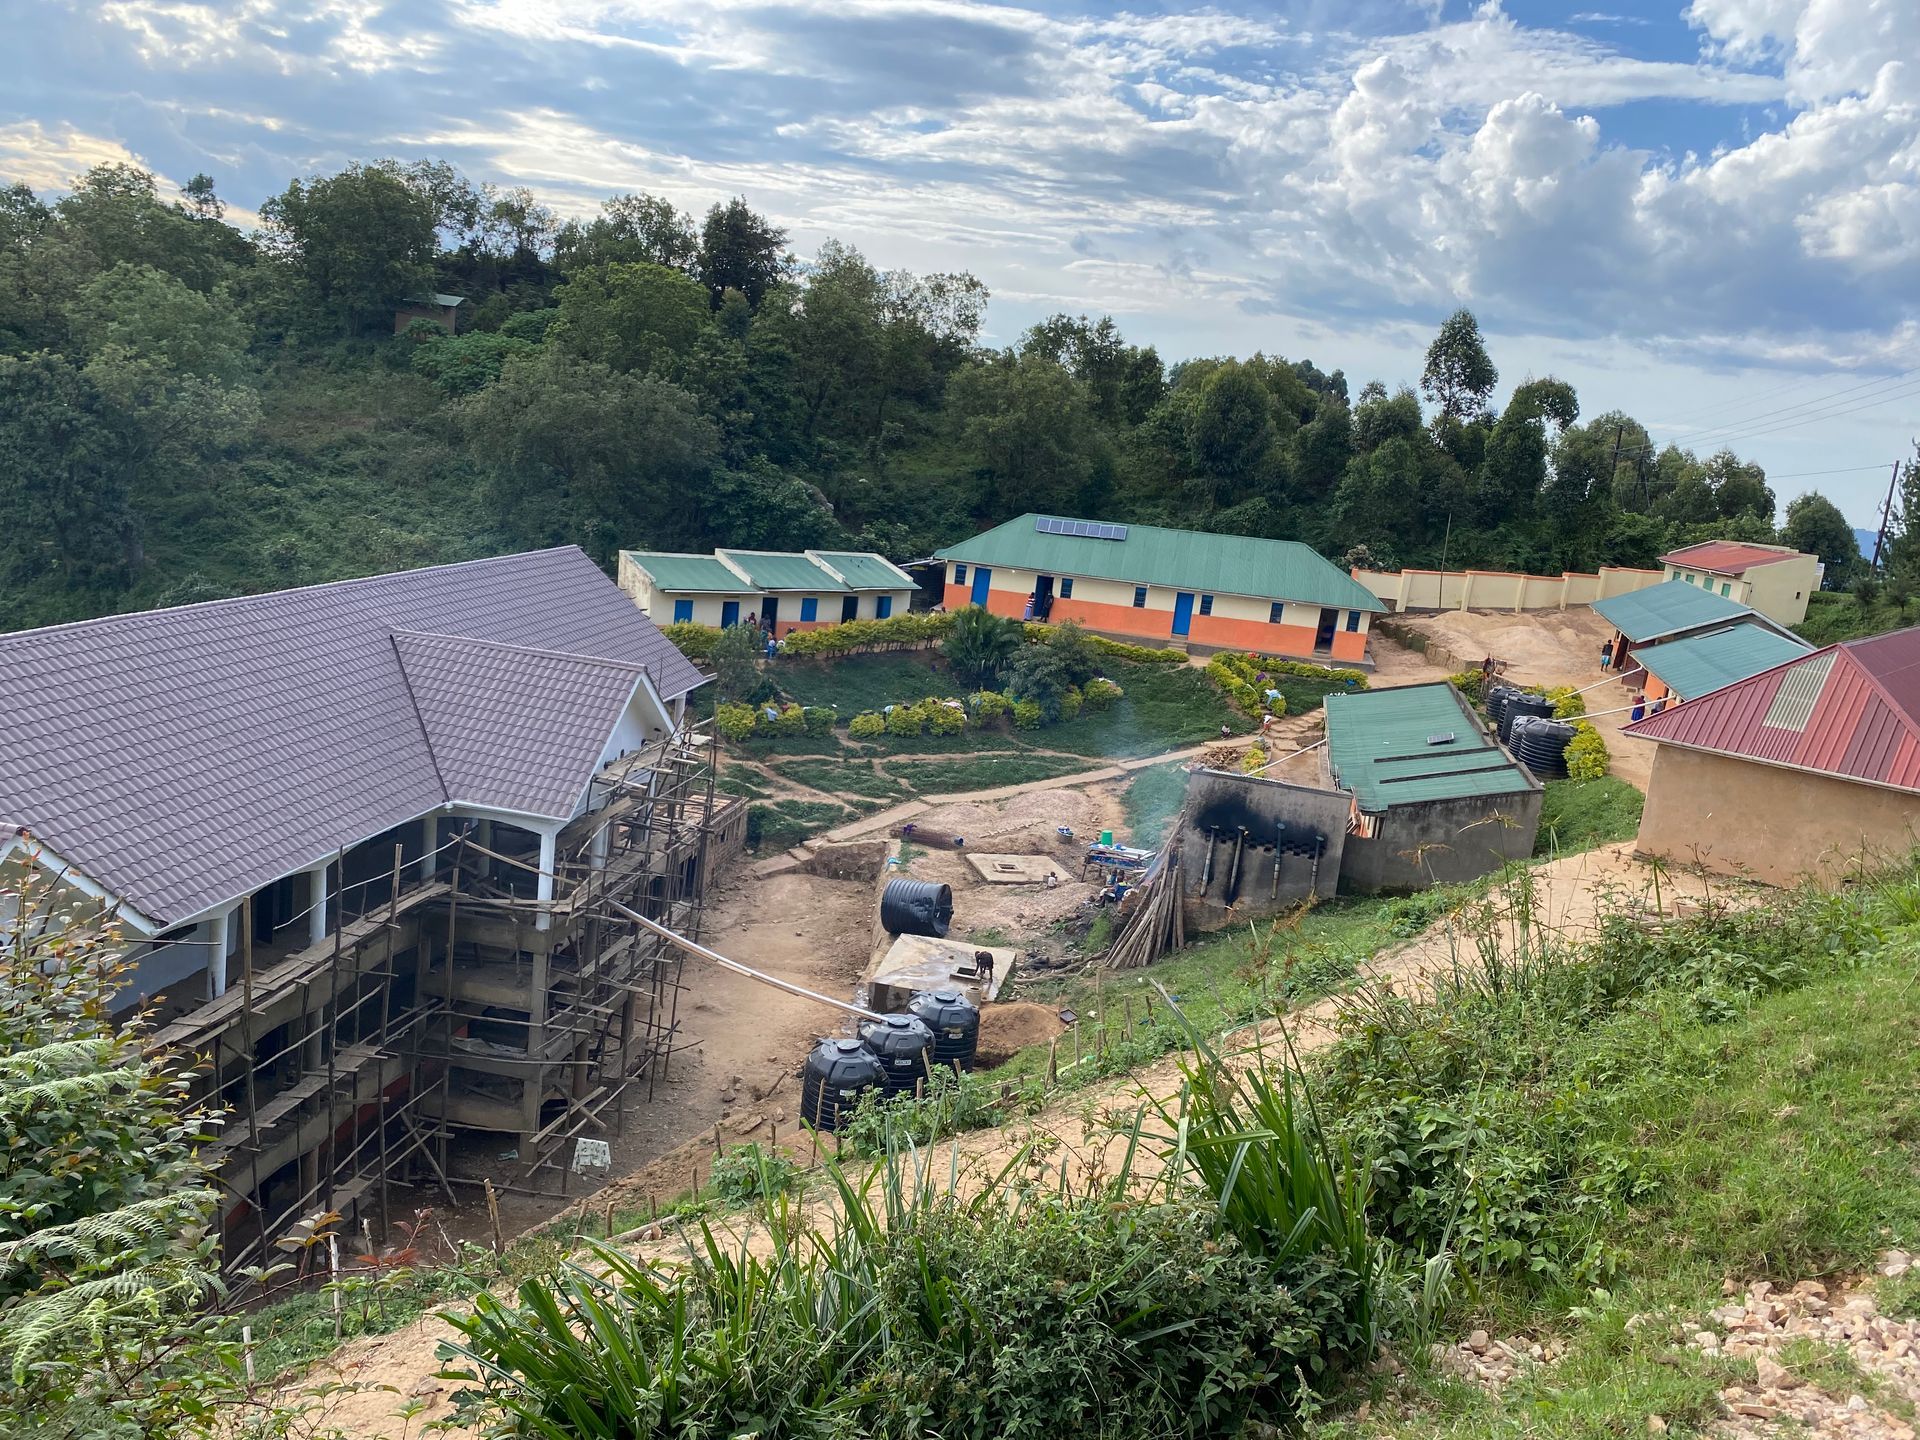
(189, 410)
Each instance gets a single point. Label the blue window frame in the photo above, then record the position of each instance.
(1206, 604)
(1353, 621)
(682, 611)
(810, 608)
(1066, 587)
(729, 614)
(1273, 615)
(959, 574)
(1139, 597)
(882, 606)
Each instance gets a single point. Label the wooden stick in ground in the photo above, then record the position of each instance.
(493, 1219)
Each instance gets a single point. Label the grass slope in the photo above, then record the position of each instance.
(1580, 814)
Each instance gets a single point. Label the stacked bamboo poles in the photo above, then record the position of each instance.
(1158, 923)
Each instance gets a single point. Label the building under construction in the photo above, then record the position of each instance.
(377, 847)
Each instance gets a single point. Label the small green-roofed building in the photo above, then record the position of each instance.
(1436, 798)
(1672, 607)
(1697, 665)
(776, 590)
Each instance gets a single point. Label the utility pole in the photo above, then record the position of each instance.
(1886, 517)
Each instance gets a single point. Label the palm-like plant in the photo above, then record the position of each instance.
(980, 645)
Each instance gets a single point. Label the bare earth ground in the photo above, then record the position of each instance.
(1562, 896)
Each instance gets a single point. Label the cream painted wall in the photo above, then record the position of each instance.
(706, 608)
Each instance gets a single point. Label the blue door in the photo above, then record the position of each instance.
(982, 579)
(729, 614)
(1182, 613)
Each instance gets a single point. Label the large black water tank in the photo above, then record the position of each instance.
(839, 1074)
(1497, 700)
(1542, 747)
(904, 1047)
(955, 1022)
(1536, 705)
(916, 907)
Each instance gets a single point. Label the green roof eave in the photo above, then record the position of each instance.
(1700, 664)
(1669, 608)
(1378, 747)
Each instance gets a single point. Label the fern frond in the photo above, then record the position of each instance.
(67, 1057)
(100, 1238)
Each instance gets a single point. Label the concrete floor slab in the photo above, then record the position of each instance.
(1016, 869)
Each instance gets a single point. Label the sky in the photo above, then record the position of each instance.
(1707, 215)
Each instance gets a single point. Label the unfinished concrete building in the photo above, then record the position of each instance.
(371, 845)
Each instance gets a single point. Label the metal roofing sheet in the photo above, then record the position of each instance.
(1725, 557)
(1858, 721)
(1378, 742)
(864, 570)
(1179, 559)
(180, 758)
(1697, 664)
(781, 570)
(1668, 608)
(691, 574)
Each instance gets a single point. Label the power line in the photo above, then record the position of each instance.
(1696, 434)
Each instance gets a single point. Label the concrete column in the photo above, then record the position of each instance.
(217, 954)
(317, 895)
(429, 837)
(597, 847)
(544, 891)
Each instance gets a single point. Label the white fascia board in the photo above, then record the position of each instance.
(45, 857)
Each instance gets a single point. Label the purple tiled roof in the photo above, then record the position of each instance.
(181, 758)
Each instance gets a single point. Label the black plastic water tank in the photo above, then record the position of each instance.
(838, 1075)
(904, 1047)
(1498, 698)
(916, 907)
(1542, 748)
(1536, 705)
(955, 1023)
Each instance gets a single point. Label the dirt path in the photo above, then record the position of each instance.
(1563, 897)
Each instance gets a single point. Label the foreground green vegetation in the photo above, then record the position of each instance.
(1580, 814)
(191, 411)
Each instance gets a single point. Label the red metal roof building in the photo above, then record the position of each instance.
(1769, 578)
(1804, 768)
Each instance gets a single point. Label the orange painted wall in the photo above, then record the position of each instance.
(1115, 619)
(1349, 645)
(784, 628)
(1259, 636)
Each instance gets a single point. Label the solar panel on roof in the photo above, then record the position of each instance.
(1081, 529)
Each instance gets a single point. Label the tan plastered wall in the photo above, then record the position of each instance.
(1739, 817)
(1500, 589)
(635, 582)
(1780, 590)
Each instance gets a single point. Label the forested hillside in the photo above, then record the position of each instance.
(189, 411)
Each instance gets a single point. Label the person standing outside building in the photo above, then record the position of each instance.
(1606, 656)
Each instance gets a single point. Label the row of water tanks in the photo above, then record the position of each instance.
(893, 1055)
(1525, 724)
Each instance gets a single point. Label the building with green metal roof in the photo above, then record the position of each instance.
(1436, 798)
(777, 590)
(1697, 665)
(1146, 582)
(1670, 608)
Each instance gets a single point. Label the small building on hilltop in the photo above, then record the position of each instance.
(1811, 768)
(434, 309)
(1666, 612)
(1186, 587)
(374, 850)
(1697, 665)
(780, 590)
(1436, 798)
(1772, 579)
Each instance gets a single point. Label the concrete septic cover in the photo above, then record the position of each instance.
(1016, 869)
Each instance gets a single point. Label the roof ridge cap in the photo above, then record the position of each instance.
(633, 666)
(419, 716)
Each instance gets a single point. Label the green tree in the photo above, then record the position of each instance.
(631, 317)
(1459, 376)
(1031, 426)
(980, 645)
(736, 662)
(742, 251)
(1739, 487)
(1232, 432)
(361, 241)
(630, 230)
(1816, 526)
(1040, 674)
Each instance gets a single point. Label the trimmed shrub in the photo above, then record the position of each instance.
(1027, 715)
(942, 718)
(696, 642)
(988, 706)
(788, 720)
(736, 722)
(1470, 683)
(1100, 693)
(1254, 759)
(898, 632)
(1138, 654)
(819, 719)
(1587, 754)
(867, 725)
(1277, 706)
(903, 720)
(1071, 702)
(1567, 704)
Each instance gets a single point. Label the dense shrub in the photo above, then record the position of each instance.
(1470, 683)
(917, 628)
(696, 642)
(819, 719)
(989, 706)
(736, 722)
(1039, 676)
(943, 717)
(1070, 704)
(1027, 715)
(867, 725)
(980, 644)
(1254, 759)
(1567, 703)
(1099, 693)
(1587, 755)
(903, 721)
(786, 720)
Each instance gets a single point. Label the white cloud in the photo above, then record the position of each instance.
(50, 157)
